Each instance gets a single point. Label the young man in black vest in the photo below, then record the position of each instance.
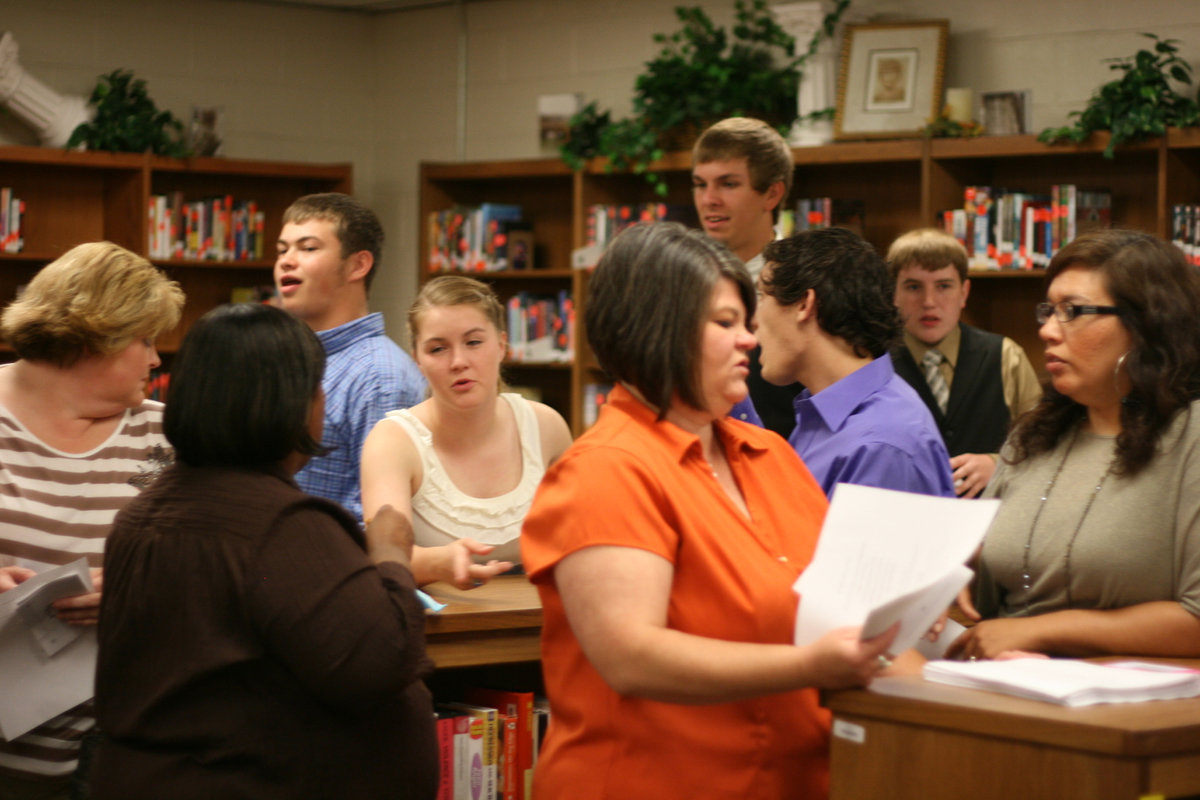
(975, 383)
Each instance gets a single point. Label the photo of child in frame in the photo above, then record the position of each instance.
(890, 76)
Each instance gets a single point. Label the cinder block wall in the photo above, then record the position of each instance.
(385, 92)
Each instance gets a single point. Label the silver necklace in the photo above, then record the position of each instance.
(1026, 577)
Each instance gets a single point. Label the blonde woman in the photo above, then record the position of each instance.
(461, 466)
(78, 440)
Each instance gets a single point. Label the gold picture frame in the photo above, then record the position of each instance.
(891, 78)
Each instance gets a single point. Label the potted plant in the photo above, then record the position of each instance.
(1140, 104)
(128, 121)
(702, 74)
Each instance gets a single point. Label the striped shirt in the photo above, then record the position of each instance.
(56, 507)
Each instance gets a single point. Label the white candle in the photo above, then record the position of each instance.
(958, 104)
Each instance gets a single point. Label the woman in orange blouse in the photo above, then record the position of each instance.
(664, 544)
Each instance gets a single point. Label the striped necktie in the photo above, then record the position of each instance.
(931, 364)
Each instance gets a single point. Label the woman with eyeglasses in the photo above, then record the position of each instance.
(1096, 547)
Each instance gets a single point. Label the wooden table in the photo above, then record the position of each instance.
(908, 738)
(498, 623)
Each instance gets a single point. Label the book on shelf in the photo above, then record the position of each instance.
(484, 745)
(815, 213)
(467, 751)
(213, 229)
(541, 328)
(1069, 682)
(445, 724)
(605, 221)
(1005, 229)
(12, 212)
(253, 294)
(1185, 230)
(517, 706)
(476, 238)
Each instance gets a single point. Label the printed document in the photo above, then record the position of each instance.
(886, 556)
(48, 665)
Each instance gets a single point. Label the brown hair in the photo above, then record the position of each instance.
(455, 290)
(635, 338)
(93, 300)
(356, 226)
(768, 157)
(928, 248)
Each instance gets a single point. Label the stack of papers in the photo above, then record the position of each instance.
(1068, 682)
(885, 557)
(48, 666)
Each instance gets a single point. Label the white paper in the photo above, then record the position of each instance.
(885, 555)
(1067, 682)
(47, 670)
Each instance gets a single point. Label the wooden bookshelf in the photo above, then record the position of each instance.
(903, 183)
(73, 197)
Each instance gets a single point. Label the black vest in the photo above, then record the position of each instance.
(976, 418)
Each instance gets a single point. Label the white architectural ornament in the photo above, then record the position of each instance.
(818, 79)
(52, 115)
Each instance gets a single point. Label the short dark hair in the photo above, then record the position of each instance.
(1158, 294)
(242, 388)
(855, 298)
(357, 227)
(647, 304)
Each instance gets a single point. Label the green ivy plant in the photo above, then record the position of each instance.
(1140, 104)
(702, 74)
(128, 121)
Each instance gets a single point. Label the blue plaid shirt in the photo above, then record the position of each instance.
(366, 375)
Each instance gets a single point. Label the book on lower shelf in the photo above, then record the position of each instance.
(1070, 682)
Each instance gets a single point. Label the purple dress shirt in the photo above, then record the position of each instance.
(872, 429)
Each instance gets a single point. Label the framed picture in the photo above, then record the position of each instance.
(1006, 113)
(890, 81)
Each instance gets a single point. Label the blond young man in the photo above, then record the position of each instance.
(975, 383)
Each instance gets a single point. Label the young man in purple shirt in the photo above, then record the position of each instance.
(826, 319)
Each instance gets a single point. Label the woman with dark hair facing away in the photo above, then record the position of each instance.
(664, 545)
(254, 642)
(78, 440)
(462, 465)
(1096, 547)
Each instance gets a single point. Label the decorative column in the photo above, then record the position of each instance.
(52, 115)
(818, 79)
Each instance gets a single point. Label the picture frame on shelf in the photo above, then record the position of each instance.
(1007, 113)
(891, 78)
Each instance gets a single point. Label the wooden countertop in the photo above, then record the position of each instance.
(498, 623)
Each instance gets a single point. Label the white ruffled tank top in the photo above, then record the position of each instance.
(443, 513)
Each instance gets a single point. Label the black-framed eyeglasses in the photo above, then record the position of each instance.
(1065, 312)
